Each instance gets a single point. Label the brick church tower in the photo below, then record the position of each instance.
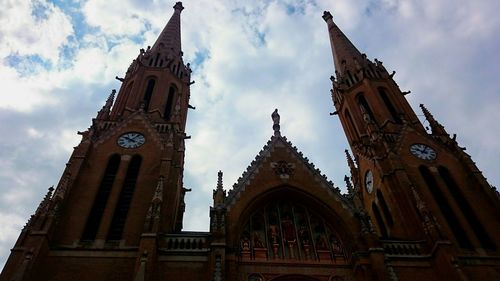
(417, 207)
(414, 184)
(123, 184)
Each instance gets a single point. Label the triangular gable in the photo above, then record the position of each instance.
(252, 172)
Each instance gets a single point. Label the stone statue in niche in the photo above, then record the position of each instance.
(288, 229)
(245, 242)
(274, 233)
(257, 241)
(304, 235)
(336, 245)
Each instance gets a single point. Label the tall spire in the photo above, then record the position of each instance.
(436, 127)
(170, 37)
(345, 55)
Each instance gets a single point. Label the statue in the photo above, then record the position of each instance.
(276, 123)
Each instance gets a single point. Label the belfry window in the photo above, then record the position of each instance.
(467, 211)
(389, 106)
(380, 222)
(95, 216)
(170, 101)
(385, 208)
(365, 108)
(445, 208)
(149, 92)
(350, 125)
(126, 194)
(283, 230)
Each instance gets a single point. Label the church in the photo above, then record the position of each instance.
(417, 206)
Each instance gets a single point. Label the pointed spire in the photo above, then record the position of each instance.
(345, 55)
(219, 195)
(106, 109)
(170, 37)
(437, 129)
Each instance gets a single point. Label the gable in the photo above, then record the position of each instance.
(280, 174)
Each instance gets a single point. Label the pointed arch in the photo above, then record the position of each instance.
(380, 222)
(388, 104)
(445, 208)
(350, 125)
(101, 199)
(385, 208)
(149, 92)
(124, 200)
(467, 211)
(364, 106)
(172, 91)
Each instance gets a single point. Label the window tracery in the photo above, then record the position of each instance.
(285, 230)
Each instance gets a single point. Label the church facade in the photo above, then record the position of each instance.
(417, 207)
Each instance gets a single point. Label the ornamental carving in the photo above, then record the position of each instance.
(283, 169)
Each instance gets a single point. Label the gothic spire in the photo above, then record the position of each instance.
(219, 195)
(437, 129)
(170, 37)
(345, 55)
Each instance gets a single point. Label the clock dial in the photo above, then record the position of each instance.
(131, 140)
(423, 151)
(369, 181)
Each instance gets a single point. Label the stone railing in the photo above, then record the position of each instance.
(188, 241)
(403, 248)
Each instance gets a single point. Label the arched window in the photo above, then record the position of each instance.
(385, 209)
(126, 194)
(95, 215)
(350, 125)
(288, 230)
(466, 209)
(149, 92)
(380, 222)
(365, 108)
(389, 106)
(444, 206)
(170, 100)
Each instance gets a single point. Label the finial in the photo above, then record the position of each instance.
(276, 123)
(327, 16)
(178, 7)
(219, 180)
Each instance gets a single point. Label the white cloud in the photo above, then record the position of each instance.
(23, 33)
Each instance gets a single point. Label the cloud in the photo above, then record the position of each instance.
(22, 22)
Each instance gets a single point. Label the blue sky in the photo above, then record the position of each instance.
(59, 60)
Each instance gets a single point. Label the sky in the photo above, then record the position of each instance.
(58, 60)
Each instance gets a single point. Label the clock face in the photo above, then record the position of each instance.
(423, 151)
(131, 140)
(369, 181)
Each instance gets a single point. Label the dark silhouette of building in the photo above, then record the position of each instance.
(417, 207)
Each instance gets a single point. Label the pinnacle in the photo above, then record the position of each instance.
(436, 127)
(219, 180)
